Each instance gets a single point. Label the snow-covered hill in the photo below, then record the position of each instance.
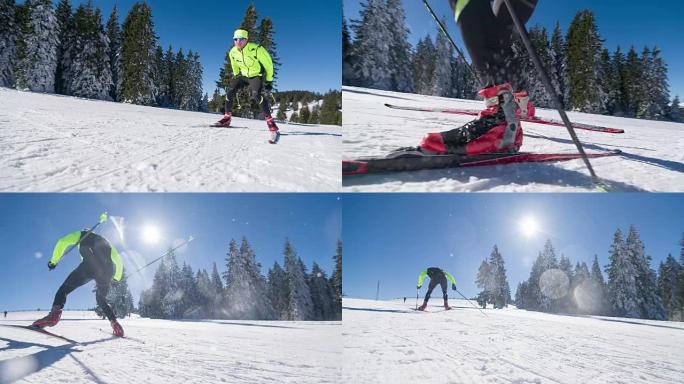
(164, 351)
(388, 342)
(58, 143)
(652, 159)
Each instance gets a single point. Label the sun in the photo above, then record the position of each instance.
(151, 234)
(529, 226)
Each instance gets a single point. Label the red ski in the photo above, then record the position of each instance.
(536, 120)
(371, 165)
(41, 330)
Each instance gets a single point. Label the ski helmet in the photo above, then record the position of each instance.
(240, 34)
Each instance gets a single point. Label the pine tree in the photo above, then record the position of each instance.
(544, 290)
(536, 88)
(675, 111)
(331, 108)
(371, 50)
(522, 295)
(278, 291)
(424, 66)
(119, 298)
(114, 35)
(8, 37)
(37, 61)
(622, 275)
(267, 41)
(321, 295)
(89, 73)
(65, 23)
(632, 81)
(299, 305)
(315, 117)
(599, 289)
(139, 46)
(401, 76)
(584, 49)
(615, 102)
(304, 114)
(336, 282)
(668, 288)
(347, 56)
(246, 292)
(649, 303)
(441, 77)
(294, 117)
(558, 53)
(249, 21)
(484, 281)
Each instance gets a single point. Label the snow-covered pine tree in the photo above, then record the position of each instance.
(191, 306)
(539, 288)
(401, 76)
(65, 23)
(649, 303)
(115, 54)
(119, 298)
(661, 95)
(675, 111)
(299, 305)
(217, 303)
(521, 295)
(336, 282)
(321, 295)
(204, 103)
(294, 117)
(181, 86)
(599, 288)
(535, 87)
(278, 291)
(615, 104)
(267, 40)
(632, 74)
(246, 292)
(668, 288)
(38, 62)
(89, 73)
(441, 77)
(424, 66)
(197, 99)
(304, 114)
(371, 50)
(205, 295)
(622, 275)
(315, 114)
(484, 281)
(8, 36)
(139, 46)
(500, 290)
(584, 49)
(347, 57)
(558, 55)
(171, 301)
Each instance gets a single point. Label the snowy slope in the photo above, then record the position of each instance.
(164, 351)
(653, 158)
(388, 342)
(58, 143)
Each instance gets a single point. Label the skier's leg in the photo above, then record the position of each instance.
(79, 276)
(234, 87)
(101, 297)
(443, 285)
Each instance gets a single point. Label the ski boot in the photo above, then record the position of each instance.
(273, 129)
(422, 307)
(225, 122)
(117, 330)
(50, 320)
(497, 129)
(525, 107)
(446, 305)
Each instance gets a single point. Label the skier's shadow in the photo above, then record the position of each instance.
(493, 176)
(15, 369)
(311, 134)
(375, 310)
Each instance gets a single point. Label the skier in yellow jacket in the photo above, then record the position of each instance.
(252, 66)
(99, 261)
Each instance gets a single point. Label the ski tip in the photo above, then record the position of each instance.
(354, 167)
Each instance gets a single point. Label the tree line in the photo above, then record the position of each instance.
(585, 74)
(287, 292)
(71, 52)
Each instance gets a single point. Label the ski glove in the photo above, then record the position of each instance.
(268, 86)
(453, 286)
(51, 266)
(418, 286)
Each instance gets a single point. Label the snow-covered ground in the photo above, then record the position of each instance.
(652, 159)
(58, 143)
(388, 342)
(164, 351)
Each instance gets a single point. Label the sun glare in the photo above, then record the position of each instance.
(151, 234)
(529, 226)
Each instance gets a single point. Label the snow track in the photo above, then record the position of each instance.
(58, 143)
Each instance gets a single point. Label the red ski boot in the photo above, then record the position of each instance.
(225, 122)
(273, 128)
(525, 107)
(117, 329)
(50, 320)
(446, 305)
(422, 307)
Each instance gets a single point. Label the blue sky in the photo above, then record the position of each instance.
(393, 237)
(620, 22)
(30, 224)
(308, 35)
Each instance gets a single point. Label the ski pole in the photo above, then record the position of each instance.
(549, 87)
(471, 303)
(444, 31)
(162, 256)
(102, 219)
(416, 299)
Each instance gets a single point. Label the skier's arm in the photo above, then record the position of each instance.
(458, 6)
(451, 278)
(63, 244)
(265, 60)
(118, 265)
(421, 277)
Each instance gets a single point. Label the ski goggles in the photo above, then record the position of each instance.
(239, 39)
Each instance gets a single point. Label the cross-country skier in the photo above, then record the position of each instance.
(487, 30)
(99, 261)
(437, 276)
(250, 62)
(5, 313)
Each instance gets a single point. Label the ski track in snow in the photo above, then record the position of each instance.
(387, 342)
(58, 143)
(652, 159)
(165, 351)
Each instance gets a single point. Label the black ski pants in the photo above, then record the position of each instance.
(441, 280)
(489, 40)
(89, 269)
(255, 95)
